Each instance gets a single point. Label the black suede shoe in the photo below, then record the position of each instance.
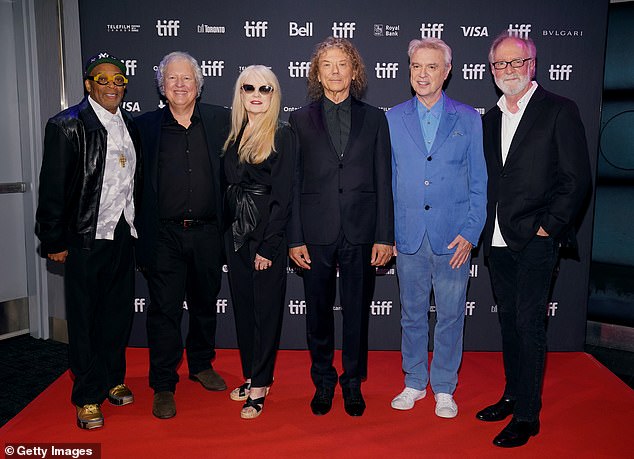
(516, 433)
(353, 401)
(322, 400)
(498, 411)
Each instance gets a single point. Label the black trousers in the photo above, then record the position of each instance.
(258, 305)
(188, 265)
(521, 284)
(99, 285)
(356, 287)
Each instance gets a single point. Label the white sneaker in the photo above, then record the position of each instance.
(405, 400)
(445, 406)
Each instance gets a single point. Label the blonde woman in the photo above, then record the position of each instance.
(258, 165)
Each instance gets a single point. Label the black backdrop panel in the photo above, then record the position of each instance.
(225, 37)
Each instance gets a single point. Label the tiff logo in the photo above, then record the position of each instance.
(386, 69)
(130, 66)
(381, 308)
(295, 30)
(473, 71)
(559, 72)
(469, 308)
(519, 30)
(139, 304)
(430, 30)
(212, 68)
(475, 31)
(343, 29)
(221, 305)
(473, 270)
(167, 27)
(255, 29)
(552, 308)
(296, 307)
(298, 69)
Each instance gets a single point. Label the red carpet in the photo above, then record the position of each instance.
(588, 412)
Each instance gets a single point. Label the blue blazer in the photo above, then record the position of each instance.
(441, 192)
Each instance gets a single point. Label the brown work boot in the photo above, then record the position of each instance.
(164, 405)
(89, 416)
(209, 379)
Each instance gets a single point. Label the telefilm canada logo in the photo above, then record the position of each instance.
(125, 28)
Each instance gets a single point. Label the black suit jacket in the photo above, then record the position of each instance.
(215, 122)
(354, 192)
(546, 175)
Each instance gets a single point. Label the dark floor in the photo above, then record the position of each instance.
(30, 365)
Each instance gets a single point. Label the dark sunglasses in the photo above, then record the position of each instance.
(249, 88)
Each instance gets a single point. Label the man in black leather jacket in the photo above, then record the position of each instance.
(85, 219)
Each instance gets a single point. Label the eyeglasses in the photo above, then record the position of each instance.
(249, 88)
(515, 63)
(117, 79)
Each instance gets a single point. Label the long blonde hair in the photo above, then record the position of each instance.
(255, 147)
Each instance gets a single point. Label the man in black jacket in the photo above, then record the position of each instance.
(180, 244)
(85, 219)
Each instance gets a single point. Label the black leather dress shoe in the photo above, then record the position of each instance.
(498, 411)
(353, 401)
(516, 433)
(322, 400)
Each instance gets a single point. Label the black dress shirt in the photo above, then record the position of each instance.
(338, 120)
(184, 175)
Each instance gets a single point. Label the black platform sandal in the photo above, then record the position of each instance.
(252, 408)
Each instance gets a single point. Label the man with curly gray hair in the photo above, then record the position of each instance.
(180, 243)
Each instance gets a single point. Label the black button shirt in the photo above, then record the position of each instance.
(338, 120)
(185, 177)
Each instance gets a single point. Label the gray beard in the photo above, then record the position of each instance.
(509, 90)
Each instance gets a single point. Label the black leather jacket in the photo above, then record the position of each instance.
(75, 144)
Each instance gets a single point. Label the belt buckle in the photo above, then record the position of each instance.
(187, 223)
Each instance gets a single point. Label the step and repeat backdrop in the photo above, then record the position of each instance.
(225, 37)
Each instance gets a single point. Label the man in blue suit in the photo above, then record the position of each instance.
(439, 184)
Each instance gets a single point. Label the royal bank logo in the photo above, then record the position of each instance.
(469, 308)
(212, 68)
(297, 307)
(213, 29)
(475, 31)
(386, 30)
(386, 69)
(298, 69)
(129, 28)
(431, 30)
(519, 30)
(255, 29)
(295, 30)
(562, 33)
(139, 305)
(552, 308)
(130, 66)
(131, 106)
(167, 27)
(473, 71)
(560, 72)
(343, 29)
(381, 308)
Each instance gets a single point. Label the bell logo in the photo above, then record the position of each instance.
(519, 30)
(167, 27)
(560, 72)
(255, 29)
(212, 68)
(294, 29)
(343, 29)
(430, 30)
(386, 70)
(473, 71)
